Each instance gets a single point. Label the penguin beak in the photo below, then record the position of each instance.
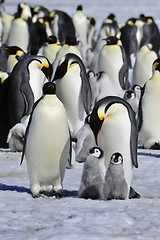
(47, 69)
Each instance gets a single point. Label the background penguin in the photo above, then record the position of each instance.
(25, 86)
(19, 33)
(114, 126)
(149, 112)
(4, 119)
(51, 48)
(85, 141)
(14, 53)
(112, 59)
(62, 26)
(91, 185)
(81, 27)
(46, 158)
(115, 186)
(6, 21)
(15, 139)
(129, 40)
(109, 28)
(151, 33)
(73, 89)
(142, 70)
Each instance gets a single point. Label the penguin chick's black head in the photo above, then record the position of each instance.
(116, 158)
(49, 88)
(112, 40)
(96, 151)
(47, 70)
(156, 64)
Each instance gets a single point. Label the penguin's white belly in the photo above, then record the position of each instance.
(110, 61)
(114, 136)
(46, 144)
(68, 91)
(150, 130)
(19, 35)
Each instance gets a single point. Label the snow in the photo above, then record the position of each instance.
(22, 217)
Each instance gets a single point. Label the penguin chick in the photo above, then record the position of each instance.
(16, 137)
(115, 186)
(91, 185)
(47, 144)
(85, 140)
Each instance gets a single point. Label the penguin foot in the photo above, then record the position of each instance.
(36, 195)
(133, 194)
(58, 195)
(155, 146)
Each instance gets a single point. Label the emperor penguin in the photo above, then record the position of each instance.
(73, 89)
(14, 53)
(114, 126)
(4, 119)
(151, 33)
(39, 11)
(62, 25)
(85, 140)
(112, 59)
(149, 113)
(115, 185)
(25, 86)
(91, 185)
(129, 40)
(81, 26)
(51, 48)
(25, 10)
(6, 21)
(109, 28)
(142, 70)
(19, 33)
(47, 159)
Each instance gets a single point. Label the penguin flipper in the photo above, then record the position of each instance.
(28, 98)
(123, 73)
(133, 194)
(27, 129)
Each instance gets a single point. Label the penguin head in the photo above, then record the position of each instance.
(96, 152)
(111, 16)
(14, 50)
(79, 8)
(113, 40)
(46, 68)
(52, 39)
(116, 159)
(129, 94)
(131, 21)
(49, 88)
(64, 65)
(156, 65)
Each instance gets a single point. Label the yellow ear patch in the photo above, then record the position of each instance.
(46, 65)
(155, 65)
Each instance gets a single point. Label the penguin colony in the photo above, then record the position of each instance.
(70, 92)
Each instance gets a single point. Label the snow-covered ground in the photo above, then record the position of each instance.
(22, 217)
